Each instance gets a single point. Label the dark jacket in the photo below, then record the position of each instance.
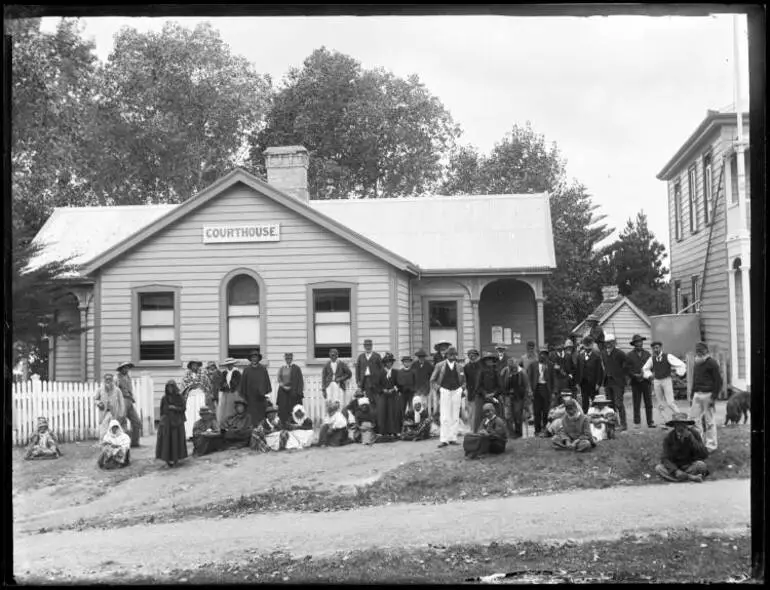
(487, 381)
(706, 378)
(515, 385)
(635, 362)
(495, 428)
(615, 367)
(406, 381)
(590, 370)
(533, 374)
(375, 367)
(562, 374)
(471, 371)
(678, 454)
(389, 384)
(422, 376)
(172, 409)
(341, 376)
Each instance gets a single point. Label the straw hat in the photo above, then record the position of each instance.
(680, 418)
(126, 364)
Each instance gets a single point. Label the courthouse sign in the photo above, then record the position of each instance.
(217, 234)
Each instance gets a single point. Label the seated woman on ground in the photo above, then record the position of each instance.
(236, 431)
(265, 436)
(116, 452)
(575, 432)
(334, 430)
(491, 437)
(207, 437)
(556, 414)
(354, 434)
(365, 420)
(416, 421)
(43, 444)
(603, 418)
(298, 432)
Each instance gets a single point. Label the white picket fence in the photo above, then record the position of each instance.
(70, 408)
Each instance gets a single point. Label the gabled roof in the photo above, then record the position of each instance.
(712, 121)
(606, 309)
(86, 232)
(227, 181)
(457, 234)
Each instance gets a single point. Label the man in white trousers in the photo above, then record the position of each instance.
(659, 367)
(449, 379)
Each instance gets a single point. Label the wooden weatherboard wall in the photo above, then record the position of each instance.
(176, 256)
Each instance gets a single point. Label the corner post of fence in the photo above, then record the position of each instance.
(146, 408)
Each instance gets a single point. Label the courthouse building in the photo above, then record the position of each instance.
(250, 264)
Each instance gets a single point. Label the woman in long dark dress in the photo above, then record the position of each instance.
(389, 411)
(171, 445)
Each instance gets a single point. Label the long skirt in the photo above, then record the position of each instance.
(203, 445)
(226, 407)
(332, 438)
(113, 457)
(389, 414)
(171, 445)
(286, 401)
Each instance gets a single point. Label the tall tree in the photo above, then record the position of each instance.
(523, 162)
(369, 133)
(174, 112)
(52, 96)
(634, 262)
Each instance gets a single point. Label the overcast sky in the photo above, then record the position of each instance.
(619, 94)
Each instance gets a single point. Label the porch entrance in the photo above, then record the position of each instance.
(507, 315)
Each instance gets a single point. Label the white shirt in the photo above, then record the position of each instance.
(541, 374)
(679, 367)
(333, 365)
(367, 373)
(229, 375)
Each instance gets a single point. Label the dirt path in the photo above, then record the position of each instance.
(588, 514)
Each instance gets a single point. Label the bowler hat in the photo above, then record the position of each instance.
(544, 350)
(271, 409)
(473, 351)
(680, 418)
(254, 353)
(406, 357)
(637, 338)
(488, 406)
(126, 364)
(501, 347)
(421, 353)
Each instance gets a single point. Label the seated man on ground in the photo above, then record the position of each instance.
(43, 444)
(298, 432)
(416, 421)
(207, 437)
(491, 437)
(236, 430)
(266, 436)
(603, 418)
(575, 431)
(684, 453)
(365, 422)
(116, 448)
(556, 413)
(334, 431)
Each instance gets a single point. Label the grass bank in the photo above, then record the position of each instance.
(673, 557)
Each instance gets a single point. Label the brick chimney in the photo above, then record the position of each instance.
(610, 293)
(287, 170)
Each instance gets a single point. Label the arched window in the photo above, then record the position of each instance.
(242, 316)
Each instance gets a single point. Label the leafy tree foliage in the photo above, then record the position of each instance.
(634, 262)
(523, 163)
(52, 87)
(369, 133)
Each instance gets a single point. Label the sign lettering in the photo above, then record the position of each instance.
(218, 234)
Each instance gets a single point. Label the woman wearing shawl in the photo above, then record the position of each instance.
(236, 430)
(109, 399)
(116, 446)
(207, 436)
(365, 421)
(43, 444)
(171, 445)
(575, 431)
(389, 401)
(194, 378)
(265, 436)
(416, 421)
(334, 431)
(556, 414)
(298, 433)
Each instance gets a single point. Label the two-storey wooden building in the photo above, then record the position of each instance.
(709, 227)
(251, 264)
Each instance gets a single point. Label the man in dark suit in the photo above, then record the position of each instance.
(615, 375)
(640, 387)
(423, 369)
(472, 369)
(590, 372)
(335, 371)
(561, 367)
(502, 358)
(541, 382)
(368, 369)
(291, 388)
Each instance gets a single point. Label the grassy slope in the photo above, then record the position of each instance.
(678, 556)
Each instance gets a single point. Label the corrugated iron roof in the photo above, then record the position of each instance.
(86, 232)
(439, 233)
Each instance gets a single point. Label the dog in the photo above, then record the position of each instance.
(738, 403)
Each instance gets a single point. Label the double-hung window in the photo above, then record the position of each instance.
(157, 326)
(708, 189)
(678, 211)
(442, 322)
(691, 198)
(695, 290)
(332, 322)
(243, 333)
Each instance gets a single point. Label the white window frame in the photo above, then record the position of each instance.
(224, 311)
(136, 293)
(352, 288)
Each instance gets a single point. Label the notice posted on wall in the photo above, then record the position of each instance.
(517, 337)
(507, 336)
(497, 334)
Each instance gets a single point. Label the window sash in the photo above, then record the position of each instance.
(708, 189)
(157, 326)
(677, 211)
(691, 180)
(677, 297)
(444, 312)
(243, 311)
(243, 331)
(331, 300)
(157, 334)
(332, 334)
(438, 334)
(159, 317)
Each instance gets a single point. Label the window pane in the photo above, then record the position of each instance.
(438, 334)
(442, 314)
(243, 331)
(156, 334)
(243, 310)
(156, 351)
(332, 334)
(331, 300)
(240, 352)
(322, 351)
(150, 301)
(332, 317)
(243, 290)
(161, 317)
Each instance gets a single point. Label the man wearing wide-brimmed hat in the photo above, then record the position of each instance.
(540, 376)
(236, 430)
(127, 389)
(449, 380)
(615, 377)
(514, 386)
(255, 386)
(640, 387)
(590, 372)
(658, 368)
(706, 385)
(440, 349)
(423, 369)
(228, 387)
(684, 453)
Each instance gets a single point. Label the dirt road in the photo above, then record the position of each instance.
(588, 514)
